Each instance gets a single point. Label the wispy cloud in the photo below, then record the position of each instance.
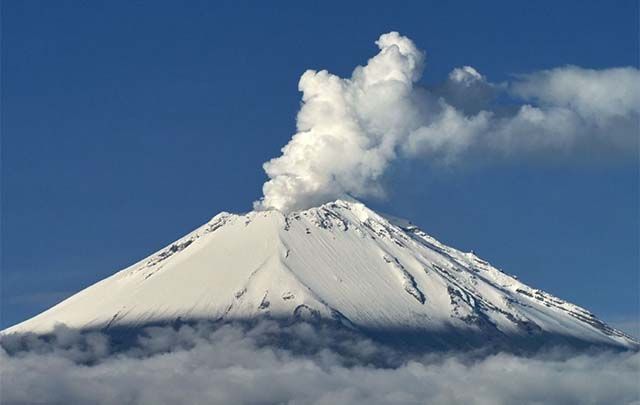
(629, 324)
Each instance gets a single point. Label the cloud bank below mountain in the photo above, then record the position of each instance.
(233, 364)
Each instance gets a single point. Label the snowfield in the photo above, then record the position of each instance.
(340, 262)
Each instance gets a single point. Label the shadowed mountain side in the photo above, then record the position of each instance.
(387, 348)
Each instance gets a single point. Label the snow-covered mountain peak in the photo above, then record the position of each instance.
(340, 262)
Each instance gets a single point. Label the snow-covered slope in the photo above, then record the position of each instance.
(342, 262)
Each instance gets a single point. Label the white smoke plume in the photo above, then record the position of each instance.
(350, 130)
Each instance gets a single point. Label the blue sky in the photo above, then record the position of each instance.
(127, 124)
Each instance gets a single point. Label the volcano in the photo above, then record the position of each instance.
(340, 263)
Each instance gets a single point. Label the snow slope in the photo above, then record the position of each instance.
(340, 261)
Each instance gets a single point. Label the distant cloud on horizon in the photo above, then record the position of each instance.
(629, 324)
(351, 130)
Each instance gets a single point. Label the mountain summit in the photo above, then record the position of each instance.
(340, 262)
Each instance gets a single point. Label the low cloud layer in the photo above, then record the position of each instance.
(351, 130)
(234, 364)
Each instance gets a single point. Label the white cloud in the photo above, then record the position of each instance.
(594, 95)
(629, 324)
(233, 364)
(350, 130)
(449, 134)
(347, 129)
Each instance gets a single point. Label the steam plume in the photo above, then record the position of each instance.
(350, 130)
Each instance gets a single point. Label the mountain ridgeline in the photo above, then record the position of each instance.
(339, 264)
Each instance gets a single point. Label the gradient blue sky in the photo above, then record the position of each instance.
(127, 124)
